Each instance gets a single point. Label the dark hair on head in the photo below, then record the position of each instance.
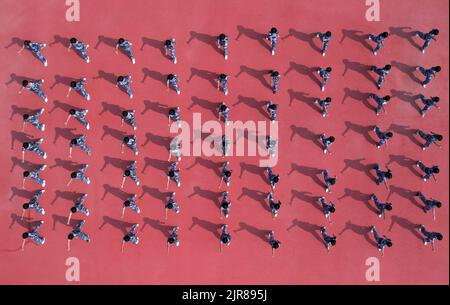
(26, 116)
(328, 99)
(172, 111)
(329, 69)
(25, 235)
(384, 34)
(120, 78)
(73, 175)
(439, 236)
(331, 139)
(332, 181)
(124, 113)
(72, 111)
(171, 240)
(70, 236)
(170, 205)
(26, 173)
(389, 243)
(333, 241)
(126, 139)
(275, 73)
(73, 40)
(228, 173)
(121, 40)
(436, 99)
(126, 238)
(73, 209)
(170, 76)
(222, 36)
(275, 244)
(26, 145)
(435, 31)
(171, 174)
(388, 67)
(273, 106)
(273, 30)
(276, 178)
(328, 34)
(439, 204)
(73, 84)
(127, 172)
(388, 175)
(25, 82)
(127, 203)
(225, 205)
(436, 170)
(277, 206)
(387, 98)
(73, 141)
(437, 68)
(225, 239)
(439, 137)
(168, 42)
(389, 134)
(222, 76)
(389, 206)
(27, 42)
(223, 107)
(25, 206)
(332, 209)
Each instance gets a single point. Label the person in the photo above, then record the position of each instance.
(271, 145)
(77, 233)
(225, 237)
(80, 174)
(78, 85)
(429, 171)
(79, 115)
(225, 175)
(172, 80)
(273, 179)
(130, 142)
(222, 42)
(123, 82)
(222, 82)
(79, 207)
(382, 207)
(33, 235)
(225, 146)
(273, 36)
(175, 149)
(272, 110)
(225, 205)
(383, 136)
(34, 86)
(327, 208)
(382, 176)
(169, 46)
(329, 181)
(174, 116)
(382, 73)
(325, 38)
(81, 142)
(131, 236)
(173, 238)
(35, 48)
(128, 116)
(430, 237)
(274, 206)
(379, 39)
(131, 203)
(33, 146)
(430, 204)
(381, 101)
(428, 103)
(33, 204)
(326, 142)
(429, 74)
(79, 47)
(173, 174)
(33, 119)
(382, 242)
(325, 104)
(125, 45)
(428, 37)
(325, 74)
(130, 171)
(34, 174)
(274, 79)
(329, 240)
(274, 244)
(171, 205)
(431, 138)
(224, 113)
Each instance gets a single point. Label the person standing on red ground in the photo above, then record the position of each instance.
(80, 174)
(131, 236)
(431, 138)
(274, 80)
(329, 240)
(272, 110)
(123, 82)
(79, 115)
(175, 149)
(329, 181)
(33, 204)
(33, 119)
(131, 203)
(382, 207)
(128, 116)
(382, 176)
(224, 113)
(382, 242)
(430, 237)
(171, 205)
(325, 38)
(78, 85)
(173, 238)
(77, 233)
(131, 143)
(324, 104)
(81, 142)
(326, 142)
(225, 237)
(222, 82)
(225, 174)
(325, 74)
(173, 174)
(428, 103)
(125, 45)
(430, 204)
(174, 116)
(428, 37)
(33, 235)
(379, 40)
(273, 36)
(169, 47)
(274, 244)
(79, 47)
(225, 205)
(79, 207)
(35, 48)
(273, 179)
(130, 171)
(383, 136)
(327, 208)
(429, 171)
(382, 73)
(34, 174)
(429, 74)
(172, 81)
(222, 42)
(274, 206)
(34, 86)
(381, 101)
(33, 146)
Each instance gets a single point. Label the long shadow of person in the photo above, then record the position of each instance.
(358, 96)
(406, 131)
(256, 195)
(21, 137)
(262, 234)
(157, 225)
(310, 228)
(115, 110)
(408, 70)
(405, 224)
(357, 36)
(359, 196)
(403, 33)
(60, 105)
(310, 72)
(115, 191)
(360, 68)
(306, 197)
(116, 223)
(407, 97)
(404, 193)
(306, 37)
(359, 230)
(306, 134)
(305, 98)
(15, 41)
(205, 104)
(204, 38)
(205, 225)
(154, 43)
(360, 129)
(406, 162)
(156, 107)
(357, 165)
(252, 34)
(260, 75)
(155, 75)
(310, 172)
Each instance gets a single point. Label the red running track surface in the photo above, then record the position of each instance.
(302, 259)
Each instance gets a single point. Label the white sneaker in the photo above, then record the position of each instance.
(175, 61)
(43, 240)
(43, 127)
(88, 97)
(45, 155)
(178, 92)
(133, 61)
(44, 167)
(375, 53)
(46, 99)
(88, 60)
(323, 54)
(43, 212)
(131, 96)
(226, 93)
(43, 183)
(226, 57)
(423, 51)
(273, 53)
(45, 64)
(88, 181)
(424, 86)
(137, 183)
(179, 184)
(136, 153)
(87, 126)
(323, 89)
(134, 128)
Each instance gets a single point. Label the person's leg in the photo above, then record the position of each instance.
(422, 134)
(40, 57)
(375, 234)
(423, 71)
(85, 148)
(426, 44)
(425, 109)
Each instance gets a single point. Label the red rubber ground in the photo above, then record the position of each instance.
(302, 259)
